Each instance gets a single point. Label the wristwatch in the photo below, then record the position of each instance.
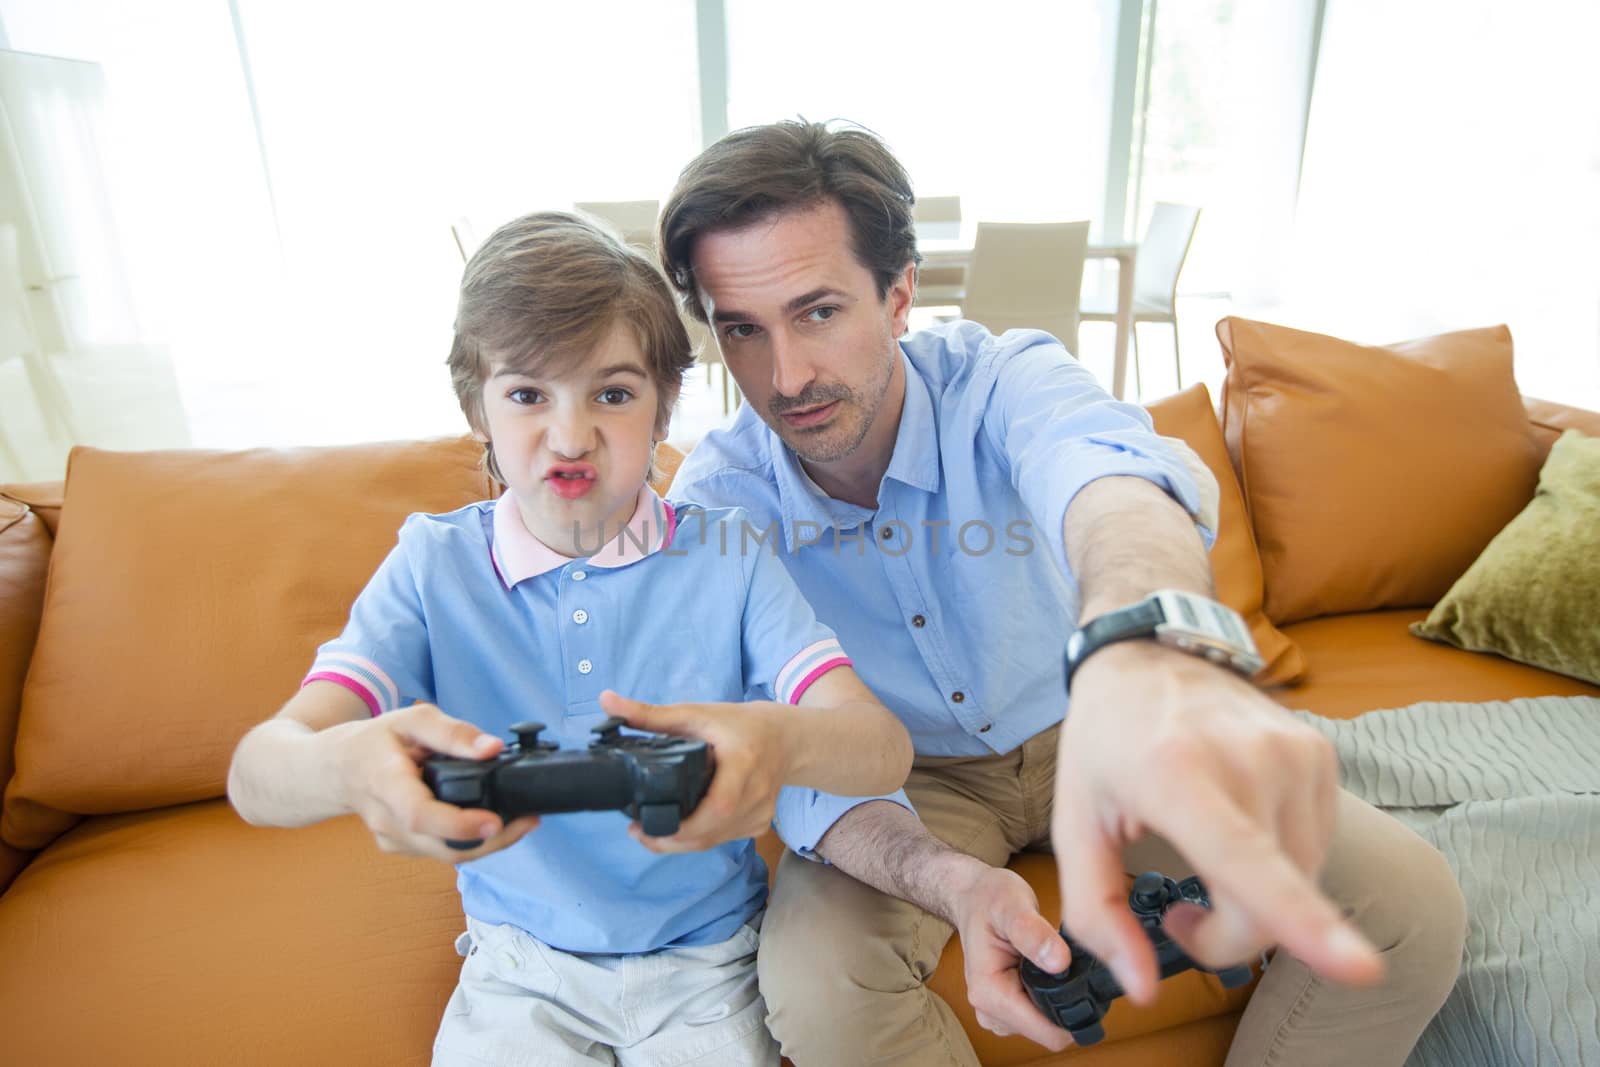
(1185, 621)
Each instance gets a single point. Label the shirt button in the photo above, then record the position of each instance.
(888, 533)
(580, 616)
(918, 621)
(584, 666)
(958, 696)
(579, 576)
(985, 727)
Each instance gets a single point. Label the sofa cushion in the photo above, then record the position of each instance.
(1234, 560)
(1534, 594)
(1370, 660)
(189, 935)
(192, 936)
(185, 935)
(1374, 475)
(187, 594)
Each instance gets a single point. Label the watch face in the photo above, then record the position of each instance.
(1206, 628)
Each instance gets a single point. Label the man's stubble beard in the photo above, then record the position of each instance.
(867, 405)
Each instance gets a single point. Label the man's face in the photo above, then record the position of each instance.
(801, 326)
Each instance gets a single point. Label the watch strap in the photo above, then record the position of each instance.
(1135, 620)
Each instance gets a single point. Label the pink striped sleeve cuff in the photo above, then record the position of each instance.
(358, 674)
(806, 667)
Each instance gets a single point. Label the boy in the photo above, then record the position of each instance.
(582, 945)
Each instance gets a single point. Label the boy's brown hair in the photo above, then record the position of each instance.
(550, 286)
(758, 172)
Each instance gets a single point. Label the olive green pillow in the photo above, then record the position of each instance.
(1534, 593)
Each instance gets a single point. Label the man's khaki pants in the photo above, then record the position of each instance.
(842, 966)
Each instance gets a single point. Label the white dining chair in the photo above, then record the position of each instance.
(1155, 278)
(1028, 275)
(938, 218)
(635, 220)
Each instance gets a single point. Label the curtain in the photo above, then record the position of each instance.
(70, 344)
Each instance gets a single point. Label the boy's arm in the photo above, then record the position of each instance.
(839, 739)
(324, 755)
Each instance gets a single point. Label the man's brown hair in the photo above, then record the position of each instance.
(550, 286)
(755, 173)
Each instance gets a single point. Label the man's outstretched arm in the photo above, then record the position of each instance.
(1158, 740)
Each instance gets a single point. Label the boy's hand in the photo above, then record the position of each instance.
(747, 742)
(379, 762)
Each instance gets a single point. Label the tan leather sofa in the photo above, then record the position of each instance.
(161, 603)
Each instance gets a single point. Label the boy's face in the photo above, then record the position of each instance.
(802, 328)
(574, 446)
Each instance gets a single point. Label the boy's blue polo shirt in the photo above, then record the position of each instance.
(472, 613)
(955, 593)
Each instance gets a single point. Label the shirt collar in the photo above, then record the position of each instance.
(914, 462)
(519, 555)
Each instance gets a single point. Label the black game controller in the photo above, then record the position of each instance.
(1077, 998)
(653, 778)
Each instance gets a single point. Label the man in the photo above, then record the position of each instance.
(956, 506)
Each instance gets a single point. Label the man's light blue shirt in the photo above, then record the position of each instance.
(471, 613)
(954, 595)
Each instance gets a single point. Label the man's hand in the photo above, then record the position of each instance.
(752, 764)
(1157, 740)
(379, 763)
(998, 921)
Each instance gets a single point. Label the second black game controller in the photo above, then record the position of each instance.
(1077, 998)
(653, 778)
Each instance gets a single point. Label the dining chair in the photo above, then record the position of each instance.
(1028, 275)
(938, 218)
(634, 219)
(1155, 278)
(465, 236)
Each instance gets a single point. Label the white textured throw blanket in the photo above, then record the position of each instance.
(1510, 793)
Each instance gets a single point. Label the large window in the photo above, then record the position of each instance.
(290, 173)
(1221, 107)
(1003, 103)
(390, 122)
(286, 173)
